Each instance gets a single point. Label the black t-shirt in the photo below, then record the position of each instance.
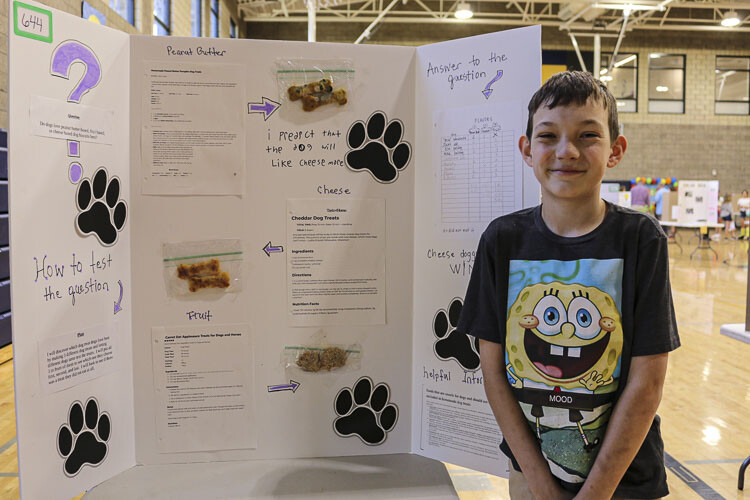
(570, 314)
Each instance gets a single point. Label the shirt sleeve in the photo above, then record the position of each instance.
(479, 315)
(654, 323)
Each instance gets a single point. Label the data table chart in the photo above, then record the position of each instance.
(479, 163)
(477, 175)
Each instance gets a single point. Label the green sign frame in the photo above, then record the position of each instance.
(20, 32)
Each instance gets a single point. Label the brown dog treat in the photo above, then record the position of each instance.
(332, 357)
(311, 102)
(212, 281)
(339, 96)
(299, 91)
(187, 271)
(309, 361)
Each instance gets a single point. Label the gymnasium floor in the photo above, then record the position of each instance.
(706, 405)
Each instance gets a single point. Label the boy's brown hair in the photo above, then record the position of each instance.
(574, 87)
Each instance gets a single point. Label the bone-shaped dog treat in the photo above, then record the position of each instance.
(319, 87)
(187, 271)
(212, 281)
(311, 102)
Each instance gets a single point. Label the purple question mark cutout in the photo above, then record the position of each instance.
(70, 52)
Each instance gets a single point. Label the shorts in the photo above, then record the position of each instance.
(519, 488)
(743, 214)
(727, 218)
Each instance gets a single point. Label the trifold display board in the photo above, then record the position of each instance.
(238, 249)
(698, 201)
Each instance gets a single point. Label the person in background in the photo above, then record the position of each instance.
(725, 213)
(639, 197)
(659, 200)
(743, 205)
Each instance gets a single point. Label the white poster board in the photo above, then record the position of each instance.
(624, 199)
(147, 315)
(610, 191)
(698, 202)
(69, 114)
(470, 172)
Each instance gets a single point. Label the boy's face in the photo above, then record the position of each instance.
(570, 149)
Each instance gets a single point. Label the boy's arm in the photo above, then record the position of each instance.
(627, 427)
(513, 424)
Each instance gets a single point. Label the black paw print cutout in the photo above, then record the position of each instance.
(377, 147)
(83, 439)
(452, 344)
(101, 211)
(365, 412)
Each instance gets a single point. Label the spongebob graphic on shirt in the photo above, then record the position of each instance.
(563, 350)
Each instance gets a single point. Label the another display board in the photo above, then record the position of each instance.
(698, 201)
(251, 249)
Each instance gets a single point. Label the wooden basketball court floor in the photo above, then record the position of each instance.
(705, 409)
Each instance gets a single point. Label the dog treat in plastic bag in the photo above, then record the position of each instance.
(194, 266)
(317, 358)
(315, 82)
(186, 271)
(219, 280)
(323, 86)
(309, 361)
(310, 102)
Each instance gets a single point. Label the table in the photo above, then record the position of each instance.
(399, 476)
(703, 244)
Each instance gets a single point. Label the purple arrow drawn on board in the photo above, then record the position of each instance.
(269, 249)
(291, 386)
(70, 52)
(119, 301)
(267, 107)
(487, 90)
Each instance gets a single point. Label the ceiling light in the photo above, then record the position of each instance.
(624, 61)
(606, 78)
(603, 71)
(662, 88)
(730, 19)
(463, 11)
(626, 6)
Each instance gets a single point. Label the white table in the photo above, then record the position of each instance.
(703, 244)
(401, 476)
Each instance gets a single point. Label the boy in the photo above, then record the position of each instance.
(572, 305)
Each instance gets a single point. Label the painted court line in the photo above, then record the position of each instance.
(717, 461)
(695, 483)
(7, 445)
(8, 474)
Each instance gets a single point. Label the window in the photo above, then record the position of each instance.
(732, 92)
(622, 80)
(161, 17)
(215, 18)
(196, 16)
(125, 8)
(232, 29)
(666, 83)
